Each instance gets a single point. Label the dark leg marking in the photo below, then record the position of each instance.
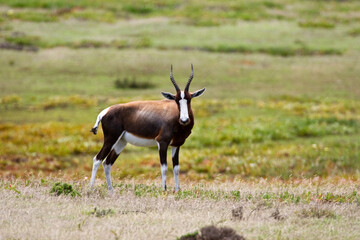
(175, 159)
(163, 161)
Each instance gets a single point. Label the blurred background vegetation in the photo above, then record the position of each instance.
(282, 79)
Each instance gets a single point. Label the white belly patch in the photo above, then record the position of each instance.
(138, 141)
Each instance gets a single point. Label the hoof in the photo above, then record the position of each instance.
(94, 130)
(176, 190)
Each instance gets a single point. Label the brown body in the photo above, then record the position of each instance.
(157, 120)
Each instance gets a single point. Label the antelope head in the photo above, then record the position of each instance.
(183, 98)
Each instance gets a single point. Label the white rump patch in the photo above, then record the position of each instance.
(138, 141)
(120, 144)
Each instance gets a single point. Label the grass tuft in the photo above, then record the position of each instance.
(189, 236)
(88, 44)
(133, 83)
(101, 212)
(22, 39)
(10, 101)
(317, 24)
(64, 188)
(354, 32)
(275, 51)
(316, 212)
(94, 15)
(68, 101)
(32, 16)
(140, 9)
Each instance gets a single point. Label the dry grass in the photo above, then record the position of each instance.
(29, 211)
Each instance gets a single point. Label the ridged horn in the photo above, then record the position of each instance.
(190, 79)
(173, 80)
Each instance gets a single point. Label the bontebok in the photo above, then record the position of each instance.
(147, 123)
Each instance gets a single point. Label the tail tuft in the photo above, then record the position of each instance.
(98, 120)
(94, 130)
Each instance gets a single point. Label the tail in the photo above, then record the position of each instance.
(98, 120)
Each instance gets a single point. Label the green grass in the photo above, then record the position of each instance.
(274, 37)
(313, 138)
(282, 83)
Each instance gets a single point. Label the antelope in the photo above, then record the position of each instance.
(147, 123)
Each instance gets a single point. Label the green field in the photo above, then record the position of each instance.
(282, 99)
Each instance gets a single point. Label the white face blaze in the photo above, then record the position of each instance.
(184, 113)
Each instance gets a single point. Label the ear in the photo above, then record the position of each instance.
(168, 95)
(198, 93)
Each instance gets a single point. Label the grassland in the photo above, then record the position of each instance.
(281, 112)
(256, 210)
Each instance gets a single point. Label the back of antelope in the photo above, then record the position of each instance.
(161, 123)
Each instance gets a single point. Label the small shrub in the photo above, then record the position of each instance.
(93, 15)
(64, 102)
(21, 39)
(204, 22)
(32, 16)
(138, 9)
(102, 212)
(88, 44)
(119, 43)
(143, 42)
(10, 101)
(189, 236)
(276, 215)
(271, 4)
(316, 24)
(354, 32)
(141, 190)
(134, 84)
(237, 213)
(64, 188)
(315, 212)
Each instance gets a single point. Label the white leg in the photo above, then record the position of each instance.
(176, 169)
(176, 177)
(163, 175)
(107, 164)
(107, 169)
(96, 164)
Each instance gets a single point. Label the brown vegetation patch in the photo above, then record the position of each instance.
(18, 47)
(276, 215)
(213, 233)
(317, 212)
(237, 213)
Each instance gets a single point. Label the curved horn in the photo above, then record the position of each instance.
(173, 81)
(190, 79)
